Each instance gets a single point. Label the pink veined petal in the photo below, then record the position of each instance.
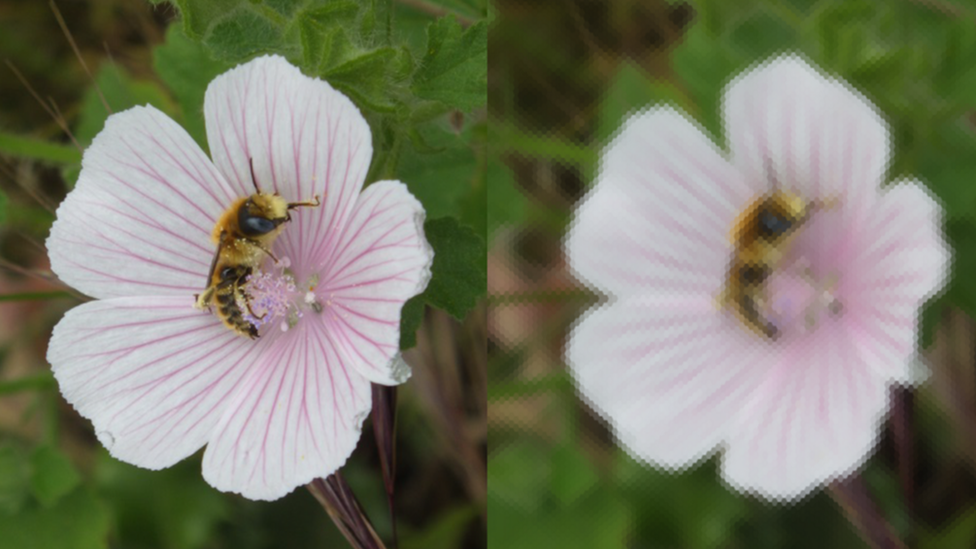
(151, 373)
(139, 220)
(813, 133)
(297, 417)
(381, 260)
(665, 161)
(903, 261)
(814, 419)
(669, 374)
(623, 247)
(305, 139)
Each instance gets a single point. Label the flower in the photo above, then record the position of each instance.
(160, 379)
(678, 377)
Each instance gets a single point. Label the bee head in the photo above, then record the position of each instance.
(262, 213)
(780, 214)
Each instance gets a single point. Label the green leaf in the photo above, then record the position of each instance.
(173, 508)
(704, 66)
(958, 533)
(631, 90)
(199, 15)
(600, 519)
(3, 207)
(52, 475)
(14, 485)
(947, 164)
(369, 77)
(679, 509)
(572, 475)
(445, 531)
(505, 202)
(519, 474)
(439, 177)
(411, 316)
(459, 274)
(762, 35)
(78, 521)
(38, 149)
(121, 92)
(454, 70)
(243, 34)
(374, 77)
(186, 67)
(43, 381)
(323, 35)
(962, 286)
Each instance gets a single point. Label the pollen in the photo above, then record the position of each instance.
(274, 297)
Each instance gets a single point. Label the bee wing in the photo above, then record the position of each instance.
(213, 264)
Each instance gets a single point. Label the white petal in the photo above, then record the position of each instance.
(297, 417)
(381, 260)
(903, 261)
(304, 137)
(151, 373)
(139, 220)
(668, 374)
(659, 217)
(622, 248)
(819, 136)
(813, 420)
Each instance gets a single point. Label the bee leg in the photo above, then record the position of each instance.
(203, 299)
(247, 304)
(311, 203)
(265, 250)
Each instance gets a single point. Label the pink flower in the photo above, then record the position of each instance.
(158, 378)
(676, 376)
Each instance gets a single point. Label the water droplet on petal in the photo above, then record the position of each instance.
(106, 438)
(399, 369)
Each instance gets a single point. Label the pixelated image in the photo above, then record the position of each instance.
(730, 280)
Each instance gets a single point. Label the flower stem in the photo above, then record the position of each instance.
(340, 503)
(384, 429)
(853, 496)
(901, 425)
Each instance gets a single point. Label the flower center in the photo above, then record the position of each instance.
(799, 301)
(274, 297)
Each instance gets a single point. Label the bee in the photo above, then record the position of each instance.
(762, 235)
(243, 234)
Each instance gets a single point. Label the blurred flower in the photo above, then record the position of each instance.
(160, 379)
(676, 376)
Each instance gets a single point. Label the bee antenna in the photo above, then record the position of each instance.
(771, 173)
(254, 180)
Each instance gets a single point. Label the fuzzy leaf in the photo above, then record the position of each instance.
(454, 70)
(242, 35)
(460, 269)
(411, 316)
(439, 176)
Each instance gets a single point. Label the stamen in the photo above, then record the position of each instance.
(798, 300)
(274, 297)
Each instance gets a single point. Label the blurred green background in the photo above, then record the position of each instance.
(562, 77)
(58, 486)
